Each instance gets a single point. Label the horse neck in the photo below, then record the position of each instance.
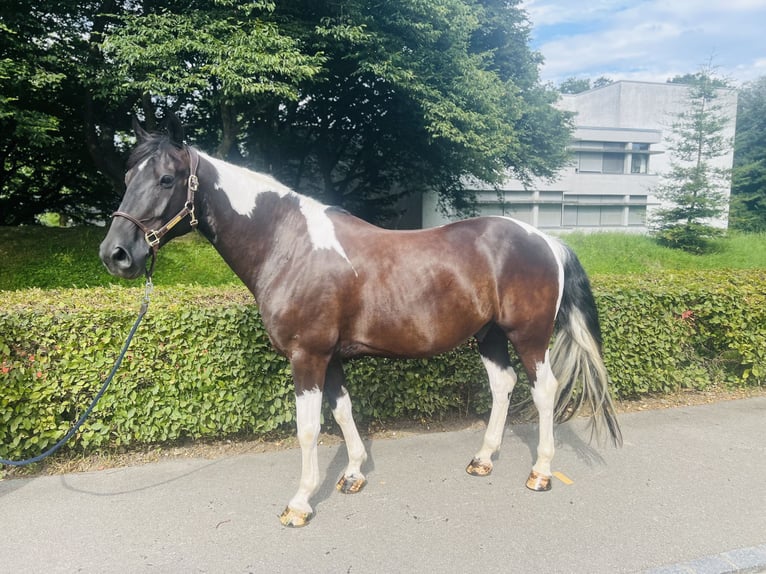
(252, 220)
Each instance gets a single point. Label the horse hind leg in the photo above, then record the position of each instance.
(352, 480)
(544, 391)
(493, 348)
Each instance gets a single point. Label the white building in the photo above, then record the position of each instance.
(619, 151)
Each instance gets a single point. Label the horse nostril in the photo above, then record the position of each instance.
(121, 257)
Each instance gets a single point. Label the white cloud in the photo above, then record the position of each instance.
(651, 40)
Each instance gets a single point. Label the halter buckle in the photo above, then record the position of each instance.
(193, 183)
(152, 238)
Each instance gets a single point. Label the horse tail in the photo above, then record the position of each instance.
(576, 356)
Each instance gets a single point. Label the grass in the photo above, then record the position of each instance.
(49, 258)
(621, 254)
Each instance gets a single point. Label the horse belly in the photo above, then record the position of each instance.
(415, 327)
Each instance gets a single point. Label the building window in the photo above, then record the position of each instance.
(639, 161)
(611, 157)
(605, 162)
(604, 211)
(520, 211)
(590, 162)
(554, 209)
(637, 210)
(614, 163)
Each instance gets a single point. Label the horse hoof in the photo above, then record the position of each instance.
(538, 482)
(350, 485)
(478, 468)
(294, 518)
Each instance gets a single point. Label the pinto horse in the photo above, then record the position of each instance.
(330, 287)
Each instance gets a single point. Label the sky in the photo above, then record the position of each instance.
(648, 40)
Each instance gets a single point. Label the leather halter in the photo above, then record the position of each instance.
(152, 236)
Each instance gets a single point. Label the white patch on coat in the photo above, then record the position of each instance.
(557, 248)
(242, 187)
(321, 228)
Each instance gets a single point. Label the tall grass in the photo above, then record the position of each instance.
(50, 258)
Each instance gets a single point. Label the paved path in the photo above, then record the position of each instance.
(687, 493)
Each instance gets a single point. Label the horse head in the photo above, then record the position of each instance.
(160, 184)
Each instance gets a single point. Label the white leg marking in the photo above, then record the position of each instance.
(308, 408)
(354, 445)
(544, 396)
(501, 383)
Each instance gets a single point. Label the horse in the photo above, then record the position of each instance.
(330, 287)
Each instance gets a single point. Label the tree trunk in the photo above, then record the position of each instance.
(229, 130)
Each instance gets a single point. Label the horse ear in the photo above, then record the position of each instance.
(140, 132)
(175, 129)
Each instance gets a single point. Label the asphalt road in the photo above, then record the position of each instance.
(686, 493)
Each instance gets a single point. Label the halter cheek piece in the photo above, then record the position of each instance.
(152, 236)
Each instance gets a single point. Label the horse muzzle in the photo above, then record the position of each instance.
(123, 260)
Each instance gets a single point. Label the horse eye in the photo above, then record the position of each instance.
(167, 181)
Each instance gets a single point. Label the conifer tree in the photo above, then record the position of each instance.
(693, 191)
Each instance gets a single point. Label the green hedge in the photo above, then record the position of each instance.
(201, 364)
(684, 330)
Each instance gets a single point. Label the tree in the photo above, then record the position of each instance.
(65, 110)
(220, 56)
(408, 97)
(44, 157)
(577, 85)
(355, 102)
(748, 206)
(693, 192)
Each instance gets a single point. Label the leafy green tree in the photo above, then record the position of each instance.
(65, 108)
(693, 192)
(357, 103)
(704, 75)
(44, 160)
(220, 56)
(577, 85)
(748, 205)
(396, 98)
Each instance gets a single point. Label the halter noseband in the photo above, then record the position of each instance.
(152, 236)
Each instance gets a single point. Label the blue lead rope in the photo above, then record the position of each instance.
(86, 414)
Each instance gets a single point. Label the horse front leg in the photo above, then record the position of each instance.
(309, 376)
(352, 480)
